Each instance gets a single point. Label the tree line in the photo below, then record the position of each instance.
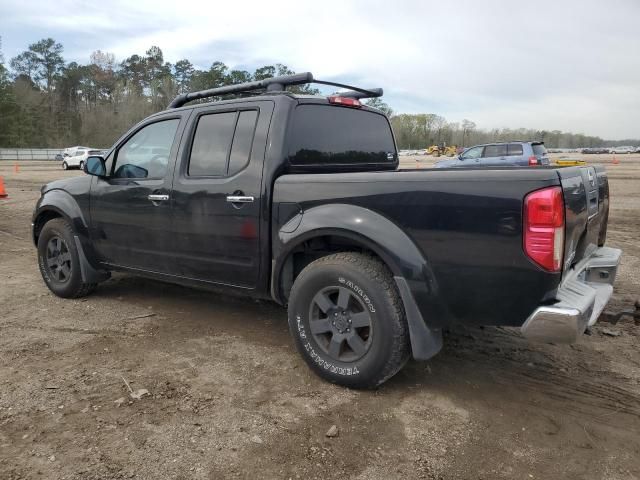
(47, 102)
(422, 130)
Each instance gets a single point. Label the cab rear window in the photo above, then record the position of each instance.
(340, 138)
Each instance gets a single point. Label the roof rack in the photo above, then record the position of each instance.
(274, 84)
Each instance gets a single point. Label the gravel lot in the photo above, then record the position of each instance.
(228, 396)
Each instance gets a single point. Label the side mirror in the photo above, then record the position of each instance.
(95, 166)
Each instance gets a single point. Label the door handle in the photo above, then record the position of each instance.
(239, 199)
(158, 198)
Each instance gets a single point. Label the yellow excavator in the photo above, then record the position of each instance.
(436, 150)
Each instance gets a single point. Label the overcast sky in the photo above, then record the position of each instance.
(566, 65)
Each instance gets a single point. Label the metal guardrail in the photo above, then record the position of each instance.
(29, 153)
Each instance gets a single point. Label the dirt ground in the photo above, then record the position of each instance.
(230, 398)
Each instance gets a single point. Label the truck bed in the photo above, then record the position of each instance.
(467, 224)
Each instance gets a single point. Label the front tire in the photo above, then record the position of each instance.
(65, 166)
(59, 261)
(348, 321)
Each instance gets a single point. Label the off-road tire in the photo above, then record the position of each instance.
(370, 282)
(72, 286)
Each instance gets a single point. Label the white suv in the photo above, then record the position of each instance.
(75, 157)
(622, 150)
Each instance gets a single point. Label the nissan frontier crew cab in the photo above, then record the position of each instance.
(298, 199)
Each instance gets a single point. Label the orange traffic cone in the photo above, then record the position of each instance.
(16, 168)
(615, 160)
(3, 192)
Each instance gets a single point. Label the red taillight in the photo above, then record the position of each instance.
(347, 102)
(533, 160)
(543, 228)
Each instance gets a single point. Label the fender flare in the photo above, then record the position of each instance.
(411, 270)
(65, 206)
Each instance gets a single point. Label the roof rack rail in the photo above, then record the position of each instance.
(274, 84)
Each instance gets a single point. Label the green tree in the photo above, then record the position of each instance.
(380, 105)
(183, 72)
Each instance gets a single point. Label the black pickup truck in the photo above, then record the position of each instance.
(298, 199)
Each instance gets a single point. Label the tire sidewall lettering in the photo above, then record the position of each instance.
(319, 360)
(359, 291)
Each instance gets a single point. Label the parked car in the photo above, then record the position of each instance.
(78, 157)
(500, 155)
(626, 149)
(298, 199)
(595, 150)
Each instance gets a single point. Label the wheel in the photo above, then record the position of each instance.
(347, 320)
(59, 261)
(65, 166)
(81, 166)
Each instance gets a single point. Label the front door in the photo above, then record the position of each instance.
(131, 208)
(217, 193)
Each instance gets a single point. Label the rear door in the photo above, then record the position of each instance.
(515, 154)
(217, 194)
(494, 155)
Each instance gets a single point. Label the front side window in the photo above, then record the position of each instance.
(475, 152)
(146, 153)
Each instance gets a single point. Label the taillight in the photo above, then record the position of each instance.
(533, 160)
(347, 102)
(543, 228)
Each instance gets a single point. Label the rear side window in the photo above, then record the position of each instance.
(324, 135)
(538, 149)
(222, 143)
(495, 151)
(514, 149)
(242, 141)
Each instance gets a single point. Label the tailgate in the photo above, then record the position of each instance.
(586, 197)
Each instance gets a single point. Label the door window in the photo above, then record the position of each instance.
(222, 143)
(515, 149)
(495, 151)
(242, 141)
(146, 153)
(475, 152)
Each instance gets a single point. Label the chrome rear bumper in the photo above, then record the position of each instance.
(581, 298)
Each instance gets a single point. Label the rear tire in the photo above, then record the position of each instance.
(81, 166)
(59, 261)
(348, 321)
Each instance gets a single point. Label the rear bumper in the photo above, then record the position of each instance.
(581, 297)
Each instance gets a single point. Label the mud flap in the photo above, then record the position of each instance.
(89, 274)
(425, 342)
